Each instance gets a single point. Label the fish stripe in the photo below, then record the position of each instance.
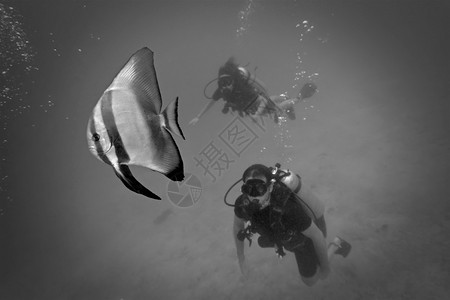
(98, 146)
(111, 128)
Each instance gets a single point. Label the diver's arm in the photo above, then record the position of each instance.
(320, 245)
(259, 112)
(205, 109)
(238, 225)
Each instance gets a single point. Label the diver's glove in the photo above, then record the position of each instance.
(245, 234)
(279, 251)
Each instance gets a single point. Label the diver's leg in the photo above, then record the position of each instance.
(278, 99)
(261, 104)
(338, 246)
(269, 107)
(285, 105)
(288, 107)
(322, 225)
(225, 108)
(307, 263)
(275, 117)
(310, 281)
(265, 242)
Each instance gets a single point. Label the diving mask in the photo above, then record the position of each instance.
(255, 187)
(225, 80)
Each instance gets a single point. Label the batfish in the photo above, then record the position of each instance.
(127, 126)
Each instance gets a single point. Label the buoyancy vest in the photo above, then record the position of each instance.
(282, 221)
(313, 206)
(288, 192)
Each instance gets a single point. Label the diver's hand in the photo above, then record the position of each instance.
(193, 121)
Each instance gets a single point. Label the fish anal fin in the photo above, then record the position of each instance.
(127, 178)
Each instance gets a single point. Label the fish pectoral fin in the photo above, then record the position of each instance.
(170, 116)
(125, 175)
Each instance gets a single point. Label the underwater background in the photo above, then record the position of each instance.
(373, 143)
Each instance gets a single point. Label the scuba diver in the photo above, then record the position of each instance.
(288, 216)
(245, 94)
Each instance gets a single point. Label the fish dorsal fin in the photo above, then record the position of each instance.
(139, 74)
(170, 118)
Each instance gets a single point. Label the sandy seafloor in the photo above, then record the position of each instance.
(373, 143)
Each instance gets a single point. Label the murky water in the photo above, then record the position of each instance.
(372, 143)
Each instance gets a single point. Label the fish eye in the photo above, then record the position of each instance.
(95, 137)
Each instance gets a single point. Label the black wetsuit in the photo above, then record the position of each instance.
(282, 223)
(243, 100)
(244, 96)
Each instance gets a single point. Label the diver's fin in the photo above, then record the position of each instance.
(170, 115)
(124, 173)
(307, 91)
(343, 247)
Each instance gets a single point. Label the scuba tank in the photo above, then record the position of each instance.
(244, 72)
(254, 82)
(313, 206)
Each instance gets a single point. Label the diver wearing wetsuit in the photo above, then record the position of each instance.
(275, 214)
(245, 94)
(242, 93)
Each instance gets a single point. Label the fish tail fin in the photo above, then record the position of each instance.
(125, 175)
(170, 116)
